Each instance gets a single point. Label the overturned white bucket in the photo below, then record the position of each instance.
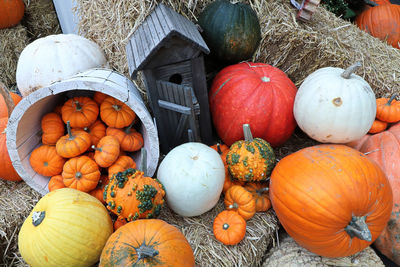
(24, 125)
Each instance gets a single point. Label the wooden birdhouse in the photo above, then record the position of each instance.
(168, 49)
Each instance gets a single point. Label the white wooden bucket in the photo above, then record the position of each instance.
(24, 125)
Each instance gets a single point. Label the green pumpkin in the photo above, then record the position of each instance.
(231, 31)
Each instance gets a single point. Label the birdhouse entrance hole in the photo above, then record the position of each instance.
(176, 78)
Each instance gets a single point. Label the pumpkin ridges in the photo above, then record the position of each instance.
(12, 13)
(235, 230)
(7, 170)
(312, 235)
(46, 153)
(239, 199)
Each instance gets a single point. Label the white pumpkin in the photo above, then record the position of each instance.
(193, 175)
(54, 58)
(335, 106)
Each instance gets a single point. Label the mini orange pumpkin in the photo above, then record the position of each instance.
(115, 113)
(80, 111)
(129, 139)
(99, 97)
(81, 173)
(55, 182)
(52, 128)
(388, 110)
(150, 242)
(46, 161)
(237, 198)
(132, 195)
(378, 126)
(97, 131)
(121, 164)
(260, 194)
(107, 151)
(229, 227)
(3, 106)
(75, 143)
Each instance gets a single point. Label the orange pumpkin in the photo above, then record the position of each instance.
(260, 194)
(75, 143)
(331, 199)
(81, 173)
(52, 128)
(3, 106)
(229, 227)
(388, 110)
(56, 182)
(115, 113)
(118, 223)
(107, 151)
(149, 242)
(12, 12)
(378, 126)
(7, 171)
(384, 149)
(132, 195)
(80, 111)
(237, 198)
(121, 164)
(222, 150)
(46, 161)
(99, 97)
(130, 139)
(97, 131)
(382, 22)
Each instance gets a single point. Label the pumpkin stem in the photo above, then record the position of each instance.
(262, 190)
(96, 148)
(359, 228)
(128, 129)
(370, 3)
(390, 100)
(233, 206)
(7, 98)
(145, 252)
(116, 107)
(38, 217)
(78, 105)
(219, 149)
(350, 70)
(143, 163)
(225, 226)
(247, 132)
(78, 175)
(70, 136)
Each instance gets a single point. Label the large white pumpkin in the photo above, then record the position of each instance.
(54, 58)
(193, 175)
(335, 106)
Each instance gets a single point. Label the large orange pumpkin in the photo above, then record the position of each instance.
(384, 149)
(331, 199)
(3, 106)
(11, 12)
(383, 22)
(147, 242)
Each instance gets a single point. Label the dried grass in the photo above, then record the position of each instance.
(40, 18)
(16, 201)
(12, 42)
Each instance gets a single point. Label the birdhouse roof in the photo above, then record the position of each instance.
(157, 30)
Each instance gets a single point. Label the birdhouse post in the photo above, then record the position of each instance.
(168, 49)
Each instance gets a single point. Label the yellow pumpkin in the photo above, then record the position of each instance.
(67, 227)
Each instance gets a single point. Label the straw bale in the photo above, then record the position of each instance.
(40, 18)
(289, 253)
(296, 48)
(261, 232)
(12, 42)
(16, 202)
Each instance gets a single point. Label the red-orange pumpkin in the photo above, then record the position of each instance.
(11, 13)
(383, 22)
(3, 107)
(384, 149)
(253, 93)
(331, 199)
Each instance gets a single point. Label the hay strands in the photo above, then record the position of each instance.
(306, 9)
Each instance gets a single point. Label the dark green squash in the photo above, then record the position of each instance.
(231, 31)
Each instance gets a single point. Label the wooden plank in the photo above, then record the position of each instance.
(166, 115)
(192, 117)
(182, 125)
(201, 92)
(174, 107)
(160, 118)
(184, 69)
